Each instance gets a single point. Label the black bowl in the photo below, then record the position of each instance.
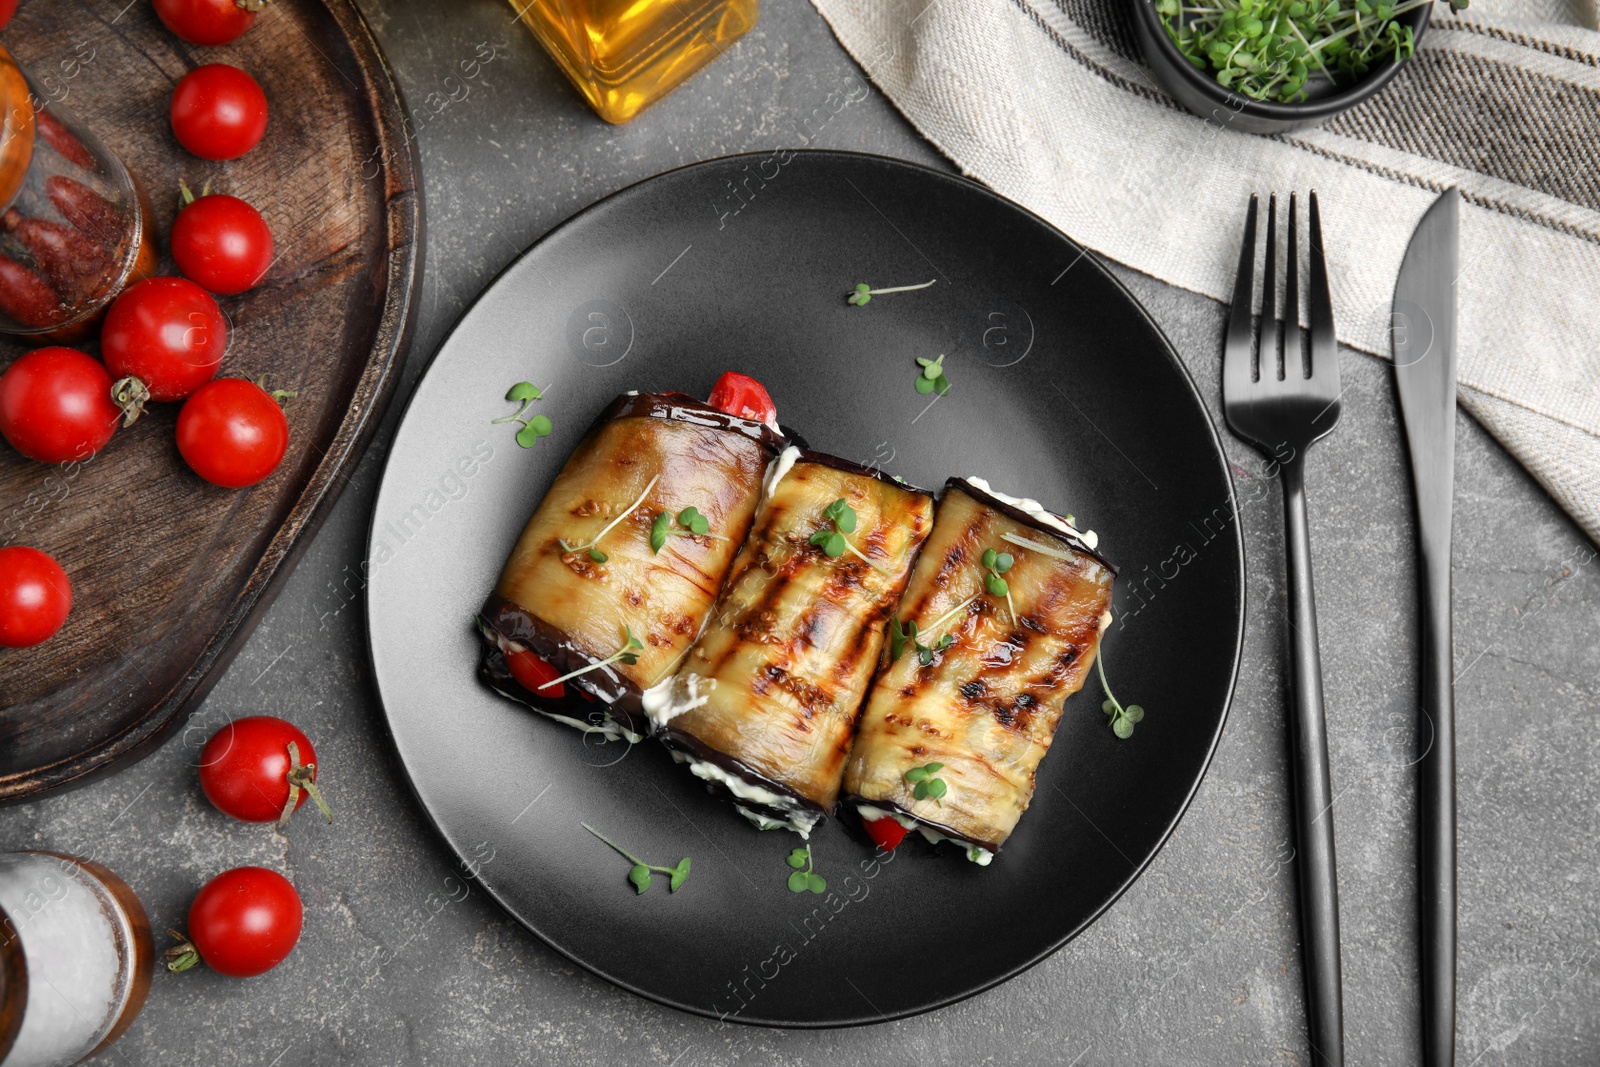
(1199, 91)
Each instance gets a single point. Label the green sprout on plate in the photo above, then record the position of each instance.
(802, 881)
(925, 785)
(864, 293)
(526, 393)
(639, 873)
(1123, 719)
(931, 378)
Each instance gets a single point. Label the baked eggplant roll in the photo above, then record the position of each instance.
(764, 705)
(999, 624)
(616, 571)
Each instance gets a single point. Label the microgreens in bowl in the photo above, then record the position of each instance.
(1271, 49)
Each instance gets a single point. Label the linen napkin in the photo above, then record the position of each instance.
(1049, 103)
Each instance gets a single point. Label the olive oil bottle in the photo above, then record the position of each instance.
(624, 55)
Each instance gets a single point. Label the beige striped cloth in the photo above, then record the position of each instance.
(1049, 103)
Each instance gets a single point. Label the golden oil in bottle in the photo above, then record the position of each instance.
(624, 55)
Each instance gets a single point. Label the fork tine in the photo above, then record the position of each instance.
(1324, 343)
(1237, 355)
(1293, 342)
(1271, 366)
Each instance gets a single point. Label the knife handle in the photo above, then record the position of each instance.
(1313, 789)
(1436, 875)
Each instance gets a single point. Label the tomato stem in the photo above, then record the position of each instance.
(130, 394)
(183, 955)
(302, 776)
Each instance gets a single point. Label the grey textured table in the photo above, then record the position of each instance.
(1197, 964)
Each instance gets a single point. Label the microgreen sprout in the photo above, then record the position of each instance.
(903, 633)
(690, 523)
(1122, 718)
(806, 880)
(639, 874)
(526, 393)
(931, 377)
(925, 785)
(833, 542)
(995, 564)
(628, 653)
(864, 293)
(589, 545)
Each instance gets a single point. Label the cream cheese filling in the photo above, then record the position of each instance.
(977, 854)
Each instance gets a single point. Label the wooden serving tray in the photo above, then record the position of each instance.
(169, 574)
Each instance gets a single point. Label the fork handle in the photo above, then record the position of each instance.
(1313, 790)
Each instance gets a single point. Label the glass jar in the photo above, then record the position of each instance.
(74, 225)
(624, 55)
(76, 959)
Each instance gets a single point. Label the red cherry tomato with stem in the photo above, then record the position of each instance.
(35, 597)
(55, 405)
(233, 433)
(221, 242)
(168, 335)
(743, 397)
(886, 833)
(243, 922)
(208, 22)
(249, 771)
(218, 112)
(531, 672)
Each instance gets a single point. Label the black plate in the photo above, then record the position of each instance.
(1063, 389)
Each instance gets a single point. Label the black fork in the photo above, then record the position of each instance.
(1282, 408)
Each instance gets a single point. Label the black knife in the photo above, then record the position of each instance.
(1424, 338)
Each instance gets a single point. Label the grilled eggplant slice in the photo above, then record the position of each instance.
(575, 601)
(975, 690)
(766, 702)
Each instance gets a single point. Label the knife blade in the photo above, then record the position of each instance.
(1424, 348)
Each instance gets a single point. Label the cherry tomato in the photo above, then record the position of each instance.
(245, 767)
(166, 332)
(35, 597)
(532, 672)
(222, 243)
(55, 405)
(886, 833)
(218, 112)
(245, 921)
(7, 9)
(744, 397)
(207, 22)
(233, 433)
